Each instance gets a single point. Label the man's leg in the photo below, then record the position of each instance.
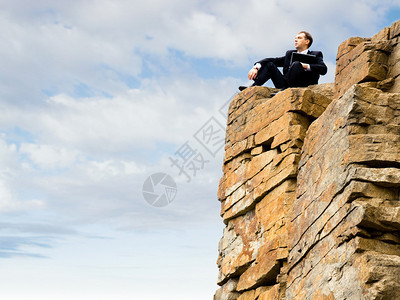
(297, 76)
(270, 71)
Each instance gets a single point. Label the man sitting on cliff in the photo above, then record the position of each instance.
(297, 71)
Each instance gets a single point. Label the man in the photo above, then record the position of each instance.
(295, 73)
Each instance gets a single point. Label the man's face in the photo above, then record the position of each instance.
(301, 42)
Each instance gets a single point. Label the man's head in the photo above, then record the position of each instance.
(303, 41)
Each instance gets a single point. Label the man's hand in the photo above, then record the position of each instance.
(252, 73)
(306, 66)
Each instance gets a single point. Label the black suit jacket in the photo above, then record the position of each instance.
(312, 77)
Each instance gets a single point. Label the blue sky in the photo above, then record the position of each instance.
(96, 96)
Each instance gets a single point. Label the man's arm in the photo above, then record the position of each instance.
(278, 61)
(319, 67)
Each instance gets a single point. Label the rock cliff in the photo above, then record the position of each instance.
(310, 191)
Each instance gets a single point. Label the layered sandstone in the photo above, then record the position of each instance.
(375, 60)
(310, 191)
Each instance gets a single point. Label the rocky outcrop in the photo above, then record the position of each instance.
(310, 191)
(344, 232)
(374, 60)
(264, 141)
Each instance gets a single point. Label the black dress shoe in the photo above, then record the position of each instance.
(242, 87)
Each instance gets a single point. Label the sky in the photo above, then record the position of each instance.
(105, 104)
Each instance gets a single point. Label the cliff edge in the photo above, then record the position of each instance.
(310, 190)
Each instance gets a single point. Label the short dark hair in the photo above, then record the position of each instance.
(308, 37)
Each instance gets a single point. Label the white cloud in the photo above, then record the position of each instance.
(7, 162)
(6, 198)
(9, 179)
(114, 168)
(67, 128)
(49, 156)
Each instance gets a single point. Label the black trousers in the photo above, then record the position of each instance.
(297, 76)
